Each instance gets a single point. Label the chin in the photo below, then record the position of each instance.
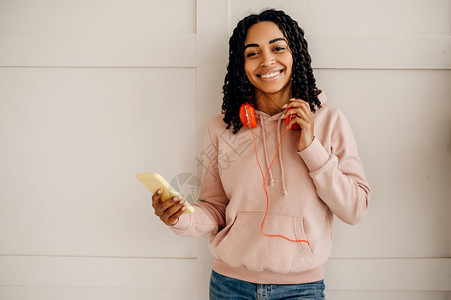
(272, 90)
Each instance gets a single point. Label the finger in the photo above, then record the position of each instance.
(173, 214)
(161, 207)
(174, 208)
(301, 113)
(304, 106)
(297, 106)
(298, 115)
(303, 123)
(296, 103)
(174, 219)
(157, 197)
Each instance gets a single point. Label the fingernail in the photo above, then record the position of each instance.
(285, 105)
(292, 99)
(159, 191)
(176, 198)
(183, 208)
(182, 201)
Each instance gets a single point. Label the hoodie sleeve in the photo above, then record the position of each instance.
(209, 215)
(339, 176)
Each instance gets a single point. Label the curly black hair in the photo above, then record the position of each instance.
(237, 89)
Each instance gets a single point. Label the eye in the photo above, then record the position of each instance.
(251, 54)
(277, 49)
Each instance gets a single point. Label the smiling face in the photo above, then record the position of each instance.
(268, 60)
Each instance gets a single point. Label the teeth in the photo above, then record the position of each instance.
(270, 75)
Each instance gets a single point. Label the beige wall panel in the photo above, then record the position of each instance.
(378, 295)
(356, 18)
(73, 140)
(401, 120)
(68, 16)
(403, 274)
(45, 293)
(90, 272)
(96, 278)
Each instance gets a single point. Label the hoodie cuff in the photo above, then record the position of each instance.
(314, 156)
(182, 224)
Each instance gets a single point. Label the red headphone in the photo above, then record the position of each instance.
(247, 117)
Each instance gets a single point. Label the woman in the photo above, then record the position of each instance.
(270, 190)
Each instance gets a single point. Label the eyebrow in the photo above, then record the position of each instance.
(270, 42)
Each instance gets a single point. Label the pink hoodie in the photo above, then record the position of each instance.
(305, 190)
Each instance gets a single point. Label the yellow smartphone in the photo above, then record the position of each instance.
(154, 181)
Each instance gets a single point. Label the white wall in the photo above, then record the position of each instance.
(92, 92)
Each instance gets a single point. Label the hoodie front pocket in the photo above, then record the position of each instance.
(246, 246)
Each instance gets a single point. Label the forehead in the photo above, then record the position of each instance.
(263, 32)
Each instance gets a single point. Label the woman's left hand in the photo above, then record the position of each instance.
(303, 116)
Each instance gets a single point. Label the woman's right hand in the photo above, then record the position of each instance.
(169, 211)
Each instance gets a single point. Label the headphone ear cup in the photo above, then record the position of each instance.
(295, 126)
(248, 118)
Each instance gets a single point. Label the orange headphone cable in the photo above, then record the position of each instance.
(266, 191)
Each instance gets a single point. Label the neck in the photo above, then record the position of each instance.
(271, 104)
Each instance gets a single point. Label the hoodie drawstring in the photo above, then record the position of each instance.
(284, 187)
(268, 166)
(265, 148)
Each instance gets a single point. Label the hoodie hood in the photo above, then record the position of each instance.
(322, 97)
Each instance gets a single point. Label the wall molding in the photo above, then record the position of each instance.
(181, 50)
(382, 274)
(385, 274)
(402, 52)
(97, 50)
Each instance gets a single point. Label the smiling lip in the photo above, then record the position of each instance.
(270, 75)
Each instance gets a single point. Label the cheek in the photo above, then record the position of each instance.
(248, 70)
(289, 71)
(287, 60)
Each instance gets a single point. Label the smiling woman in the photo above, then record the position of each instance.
(277, 39)
(271, 234)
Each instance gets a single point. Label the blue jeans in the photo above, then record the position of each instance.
(224, 288)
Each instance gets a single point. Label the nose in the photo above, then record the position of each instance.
(267, 59)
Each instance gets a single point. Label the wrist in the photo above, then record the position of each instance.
(299, 149)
